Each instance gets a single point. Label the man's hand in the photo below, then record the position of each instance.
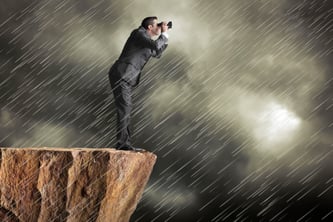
(164, 26)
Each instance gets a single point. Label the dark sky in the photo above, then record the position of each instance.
(238, 109)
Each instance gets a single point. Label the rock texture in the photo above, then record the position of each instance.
(72, 184)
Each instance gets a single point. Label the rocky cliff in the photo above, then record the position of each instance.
(72, 184)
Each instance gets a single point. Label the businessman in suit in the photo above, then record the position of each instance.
(125, 73)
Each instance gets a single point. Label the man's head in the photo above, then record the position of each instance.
(150, 24)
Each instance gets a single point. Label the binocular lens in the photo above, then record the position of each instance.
(169, 24)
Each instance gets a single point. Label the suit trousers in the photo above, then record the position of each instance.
(122, 92)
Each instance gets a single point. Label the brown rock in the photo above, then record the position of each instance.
(72, 184)
(7, 216)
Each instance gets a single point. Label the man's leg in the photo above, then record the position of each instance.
(122, 92)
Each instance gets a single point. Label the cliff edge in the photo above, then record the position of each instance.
(72, 184)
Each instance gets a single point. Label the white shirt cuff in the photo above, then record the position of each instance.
(165, 34)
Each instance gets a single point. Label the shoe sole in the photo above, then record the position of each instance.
(135, 149)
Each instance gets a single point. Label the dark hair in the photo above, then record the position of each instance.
(148, 21)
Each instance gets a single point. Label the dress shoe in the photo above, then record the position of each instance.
(131, 148)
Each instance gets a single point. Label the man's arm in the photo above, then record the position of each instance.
(145, 40)
(158, 53)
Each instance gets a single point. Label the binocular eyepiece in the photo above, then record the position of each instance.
(169, 24)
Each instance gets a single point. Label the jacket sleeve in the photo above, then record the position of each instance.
(158, 53)
(146, 41)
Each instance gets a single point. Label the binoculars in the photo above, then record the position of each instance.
(169, 24)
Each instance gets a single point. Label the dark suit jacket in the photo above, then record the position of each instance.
(138, 49)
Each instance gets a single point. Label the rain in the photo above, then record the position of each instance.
(238, 109)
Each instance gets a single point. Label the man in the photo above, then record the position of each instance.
(125, 73)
